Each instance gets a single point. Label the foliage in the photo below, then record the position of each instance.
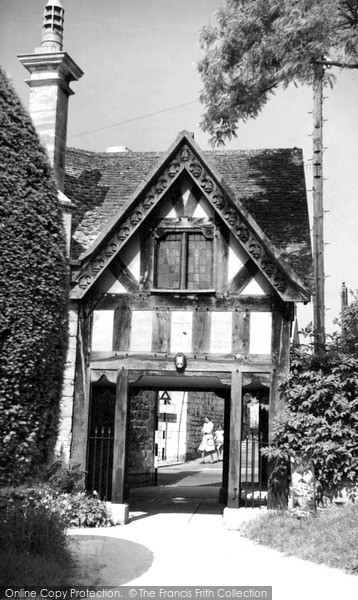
(63, 477)
(32, 527)
(33, 295)
(329, 539)
(258, 45)
(73, 510)
(21, 569)
(320, 422)
(349, 325)
(34, 547)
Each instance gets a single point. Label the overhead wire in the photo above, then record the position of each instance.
(157, 112)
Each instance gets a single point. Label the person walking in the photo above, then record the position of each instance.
(219, 442)
(207, 443)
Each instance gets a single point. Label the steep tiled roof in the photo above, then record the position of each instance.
(269, 183)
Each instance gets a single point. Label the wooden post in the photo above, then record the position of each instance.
(223, 494)
(234, 487)
(318, 243)
(281, 326)
(120, 435)
(81, 404)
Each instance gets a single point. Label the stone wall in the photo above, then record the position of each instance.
(141, 431)
(200, 405)
(64, 437)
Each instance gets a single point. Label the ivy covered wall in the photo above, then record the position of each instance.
(33, 295)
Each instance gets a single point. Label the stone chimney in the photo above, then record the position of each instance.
(51, 71)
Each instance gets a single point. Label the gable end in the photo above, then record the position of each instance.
(244, 228)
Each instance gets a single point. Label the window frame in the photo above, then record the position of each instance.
(208, 231)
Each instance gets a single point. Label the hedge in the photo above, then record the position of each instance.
(33, 295)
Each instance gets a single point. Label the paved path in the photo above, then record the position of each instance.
(178, 538)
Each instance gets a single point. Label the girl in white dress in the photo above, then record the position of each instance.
(207, 442)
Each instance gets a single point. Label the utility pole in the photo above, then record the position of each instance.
(318, 243)
(344, 297)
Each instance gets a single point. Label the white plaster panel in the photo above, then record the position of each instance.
(131, 256)
(167, 210)
(203, 209)
(221, 333)
(141, 331)
(260, 332)
(258, 286)
(181, 331)
(109, 284)
(186, 190)
(237, 257)
(102, 330)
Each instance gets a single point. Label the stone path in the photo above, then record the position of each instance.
(173, 539)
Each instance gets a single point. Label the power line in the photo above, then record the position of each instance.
(158, 112)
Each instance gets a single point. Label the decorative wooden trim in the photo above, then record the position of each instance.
(109, 374)
(243, 227)
(127, 225)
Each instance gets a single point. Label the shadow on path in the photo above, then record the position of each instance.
(104, 560)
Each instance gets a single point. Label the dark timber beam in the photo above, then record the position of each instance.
(233, 500)
(120, 432)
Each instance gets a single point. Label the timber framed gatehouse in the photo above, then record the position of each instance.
(186, 268)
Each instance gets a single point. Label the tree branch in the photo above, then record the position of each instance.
(336, 63)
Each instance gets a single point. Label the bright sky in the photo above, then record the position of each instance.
(141, 87)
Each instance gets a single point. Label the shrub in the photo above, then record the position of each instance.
(88, 511)
(73, 510)
(34, 547)
(320, 422)
(63, 477)
(33, 295)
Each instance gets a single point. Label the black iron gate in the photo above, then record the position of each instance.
(100, 442)
(253, 470)
(100, 462)
(254, 438)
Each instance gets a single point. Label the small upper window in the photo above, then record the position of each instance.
(184, 260)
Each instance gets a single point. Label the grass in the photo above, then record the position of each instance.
(329, 539)
(33, 546)
(23, 569)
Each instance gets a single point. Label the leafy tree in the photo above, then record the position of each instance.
(259, 45)
(320, 420)
(349, 326)
(33, 294)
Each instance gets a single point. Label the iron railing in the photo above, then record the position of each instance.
(253, 471)
(100, 462)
